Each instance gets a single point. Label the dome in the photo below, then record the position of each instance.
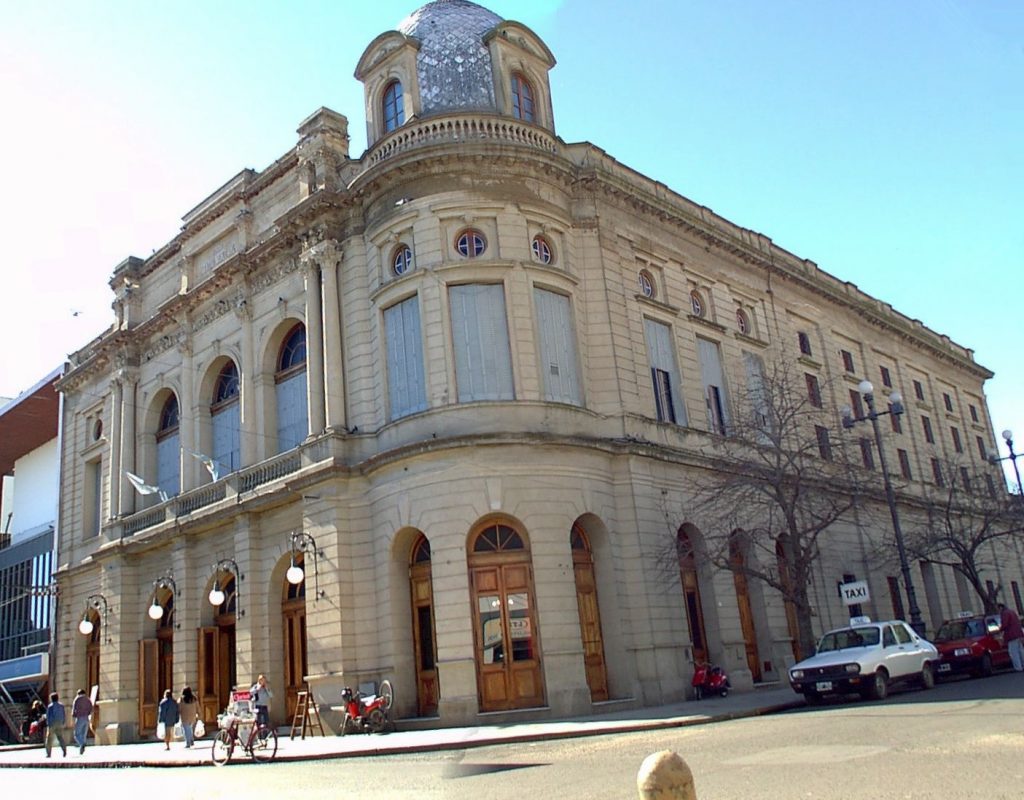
(453, 64)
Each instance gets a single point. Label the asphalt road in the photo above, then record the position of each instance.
(964, 739)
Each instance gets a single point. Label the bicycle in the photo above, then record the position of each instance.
(260, 744)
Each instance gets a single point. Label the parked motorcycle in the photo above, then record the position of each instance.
(708, 680)
(368, 713)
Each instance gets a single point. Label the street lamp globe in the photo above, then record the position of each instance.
(294, 575)
(156, 610)
(866, 387)
(896, 398)
(1008, 435)
(85, 626)
(216, 596)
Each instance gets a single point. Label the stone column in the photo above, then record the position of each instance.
(116, 477)
(314, 344)
(248, 370)
(188, 407)
(129, 382)
(328, 255)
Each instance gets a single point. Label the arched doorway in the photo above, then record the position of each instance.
(293, 622)
(785, 579)
(590, 616)
(217, 661)
(690, 581)
(156, 661)
(422, 594)
(738, 564)
(508, 663)
(92, 661)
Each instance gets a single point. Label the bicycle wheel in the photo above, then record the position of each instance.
(223, 745)
(387, 694)
(263, 744)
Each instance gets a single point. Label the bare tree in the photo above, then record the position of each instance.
(966, 517)
(777, 483)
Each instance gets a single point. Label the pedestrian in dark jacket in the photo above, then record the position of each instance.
(56, 719)
(168, 715)
(81, 711)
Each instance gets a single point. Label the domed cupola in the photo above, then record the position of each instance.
(454, 57)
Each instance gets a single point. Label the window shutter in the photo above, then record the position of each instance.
(714, 385)
(406, 389)
(483, 361)
(557, 347)
(292, 413)
(226, 439)
(168, 464)
(662, 357)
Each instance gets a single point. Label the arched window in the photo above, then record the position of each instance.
(290, 379)
(542, 250)
(401, 260)
(425, 647)
(168, 448)
(522, 98)
(471, 243)
(226, 417)
(394, 106)
(590, 614)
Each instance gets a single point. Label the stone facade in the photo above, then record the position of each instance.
(583, 253)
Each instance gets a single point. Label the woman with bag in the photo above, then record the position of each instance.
(166, 717)
(188, 707)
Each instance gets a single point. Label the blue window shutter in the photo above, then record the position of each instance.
(483, 360)
(292, 412)
(406, 388)
(558, 364)
(168, 464)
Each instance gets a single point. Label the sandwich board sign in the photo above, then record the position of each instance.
(854, 592)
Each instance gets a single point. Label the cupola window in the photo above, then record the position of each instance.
(542, 250)
(394, 106)
(522, 98)
(401, 262)
(471, 243)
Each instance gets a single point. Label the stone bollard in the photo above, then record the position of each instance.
(665, 776)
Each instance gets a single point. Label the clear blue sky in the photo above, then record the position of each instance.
(882, 140)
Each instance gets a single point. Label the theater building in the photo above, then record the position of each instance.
(413, 413)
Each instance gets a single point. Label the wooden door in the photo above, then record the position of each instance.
(507, 650)
(746, 613)
(293, 613)
(226, 676)
(691, 598)
(427, 690)
(206, 686)
(590, 617)
(149, 684)
(92, 671)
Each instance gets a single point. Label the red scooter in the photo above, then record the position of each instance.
(708, 680)
(368, 713)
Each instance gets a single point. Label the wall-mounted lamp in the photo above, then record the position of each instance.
(217, 596)
(93, 602)
(302, 542)
(156, 611)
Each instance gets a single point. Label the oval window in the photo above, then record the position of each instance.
(401, 262)
(542, 250)
(470, 243)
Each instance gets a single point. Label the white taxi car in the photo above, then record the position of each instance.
(866, 658)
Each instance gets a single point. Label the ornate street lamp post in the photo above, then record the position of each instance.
(849, 420)
(1008, 438)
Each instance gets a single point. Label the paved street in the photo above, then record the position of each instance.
(961, 740)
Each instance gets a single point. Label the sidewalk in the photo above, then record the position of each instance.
(152, 754)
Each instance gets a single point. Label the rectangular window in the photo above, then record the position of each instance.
(559, 370)
(856, 403)
(991, 486)
(93, 495)
(947, 401)
(904, 464)
(929, 436)
(758, 397)
(965, 479)
(813, 391)
(937, 472)
(714, 385)
(227, 438)
(897, 426)
(918, 390)
(886, 377)
(974, 413)
(896, 597)
(403, 337)
(292, 411)
(848, 364)
(824, 445)
(168, 463)
(661, 353)
(982, 451)
(483, 360)
(866, 453)
(957, 444)
(805, 343)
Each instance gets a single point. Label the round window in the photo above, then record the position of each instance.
(401, 262)
(97, 431)
(697, 303)
(542, 250)
(742, 321)
(646, 283)
(471, 243)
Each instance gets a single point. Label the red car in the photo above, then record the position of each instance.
(971, 644)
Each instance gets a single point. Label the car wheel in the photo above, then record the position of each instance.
(928, 676)
(985, 670)
(879, 688)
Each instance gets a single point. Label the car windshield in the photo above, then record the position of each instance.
(848, 637)
(960, 629)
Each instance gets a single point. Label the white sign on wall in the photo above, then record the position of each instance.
(855, 592)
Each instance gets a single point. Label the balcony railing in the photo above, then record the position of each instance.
(463, 128)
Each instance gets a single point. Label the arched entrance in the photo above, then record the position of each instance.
(690, 581)
(293, 623)
(508, 664)
(422, 594)
(590, 616)
(217, 664)
(156, 661)
(738, 564)
(92, 661)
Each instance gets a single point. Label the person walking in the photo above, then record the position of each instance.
(35, 722)
(261, 697)
(188, 707)
(56, 719)
(1013, 636)
(81, 710)
(167, 713)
